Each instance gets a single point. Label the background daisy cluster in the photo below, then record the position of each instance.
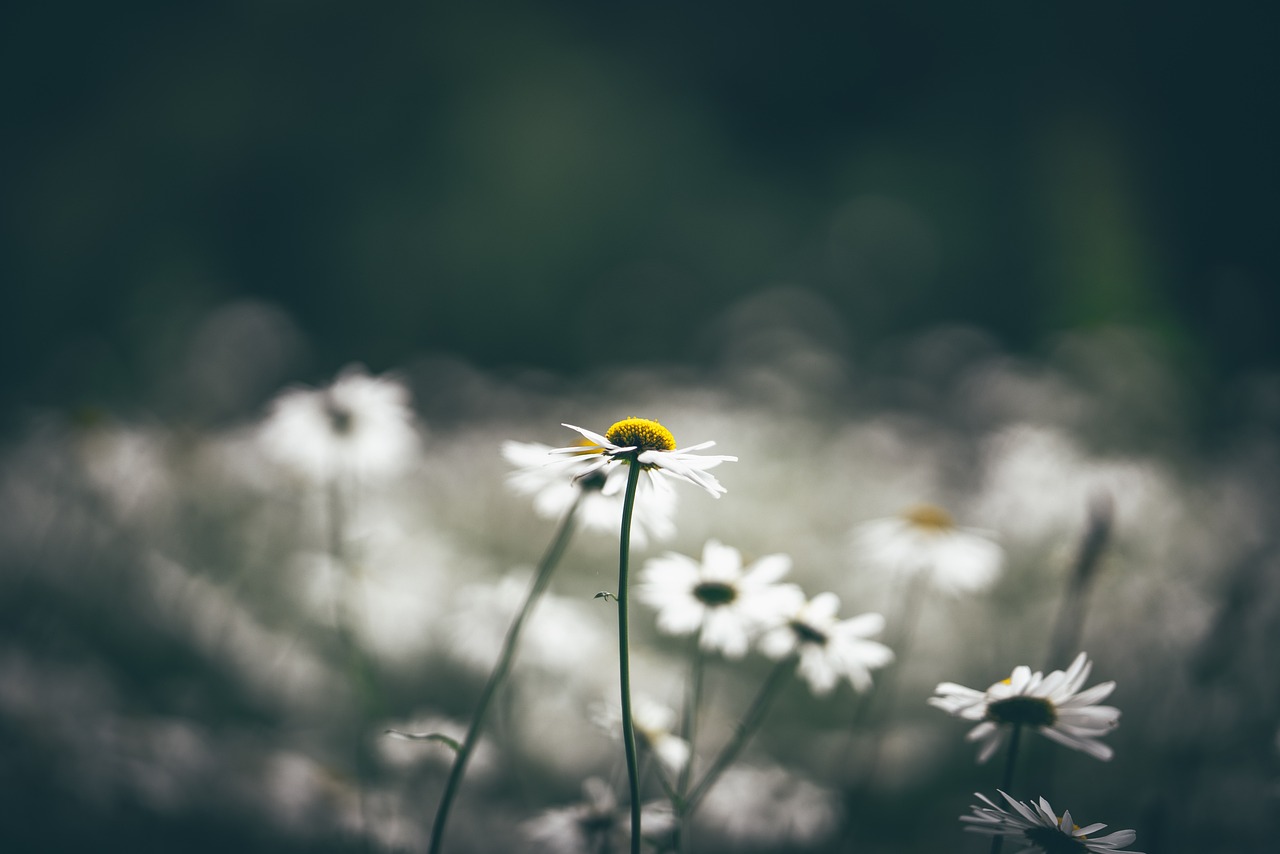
(171, 673)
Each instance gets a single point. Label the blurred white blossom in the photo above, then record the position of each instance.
(829, 648)
(768, 808)
(595, 824)
(925, 540)
(654, 726)
(359, 425)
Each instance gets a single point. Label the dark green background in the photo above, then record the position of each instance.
(564, 185)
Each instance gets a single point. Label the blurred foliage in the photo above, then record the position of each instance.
(582, 182)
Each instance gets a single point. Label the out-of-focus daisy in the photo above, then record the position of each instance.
(1054, 705)
(1036, 827)
(716, 596)
(829, 648)
(654, 726)
(359, 425)
(595, 824)
(925, 540)
(651, 446)
(564, 636)
(556, 480)
(768, 809)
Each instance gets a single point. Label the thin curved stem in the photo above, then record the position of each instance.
(746, 728)
(1010, 760)
(624, 652)
(689, 729)
(542, 577)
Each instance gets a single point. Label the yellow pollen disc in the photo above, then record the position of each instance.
(641, 434)
(931, 517)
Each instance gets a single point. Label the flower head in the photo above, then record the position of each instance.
(768, 808)
(829, 648)
(717, 597)
(651, 446)
(594, 824)
(556, 480)
(654, 726)
(926, 540)
(358, 425)
(1054, 705)
(1037, 827)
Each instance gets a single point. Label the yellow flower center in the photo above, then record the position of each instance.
(641, 434)
(930, 517)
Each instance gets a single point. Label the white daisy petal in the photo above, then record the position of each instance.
(1052, 705)
(1037, 828)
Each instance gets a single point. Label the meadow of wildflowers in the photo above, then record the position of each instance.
(384, 612)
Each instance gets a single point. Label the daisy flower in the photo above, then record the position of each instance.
(828, 648)
(651, 446)
(359, 425)
(1054, 705)
(593, 825)
(654, 727)
(727, 604)
(1036, 827)
(925, 540)
(768, 808)
(555, 481)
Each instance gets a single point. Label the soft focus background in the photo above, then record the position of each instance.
(1004, 258)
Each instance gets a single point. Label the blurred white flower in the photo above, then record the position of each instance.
(556, 480)
(648, 443)
(829, 648)
(595, 824)
(1053, 705)
(717, 597)
(925, 540)
(1036, 827)
(563, 636)
(768, 809)
(358, 425)
(654, 726)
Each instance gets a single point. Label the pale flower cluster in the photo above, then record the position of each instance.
(730, 607)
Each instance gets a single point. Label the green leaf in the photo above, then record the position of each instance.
(426, 736)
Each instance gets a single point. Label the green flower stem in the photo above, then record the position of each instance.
(1010, 760)
(689, 729)
(746, 728)
(873, 705)
(624, 652)
(343, 625)
(1065, 640)
(542, 577)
